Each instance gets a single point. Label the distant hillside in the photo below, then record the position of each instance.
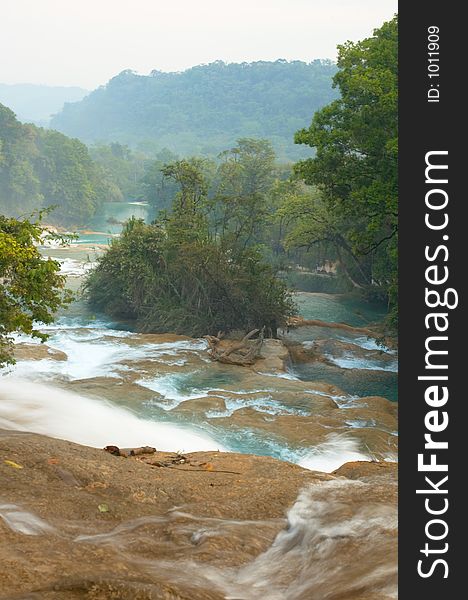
(205, 109)
(40, 168)
(37, 103)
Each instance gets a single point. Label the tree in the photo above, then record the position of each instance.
(355, 166)
(32, 288)
(175, 275)
(155, 188)
(123, 167)
(240, 199)
(19, 184)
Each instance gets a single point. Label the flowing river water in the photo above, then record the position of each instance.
(97, 382)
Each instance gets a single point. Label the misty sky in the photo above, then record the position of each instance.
(85, 42)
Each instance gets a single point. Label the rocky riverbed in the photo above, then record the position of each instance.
(213, 514)
(78, 522)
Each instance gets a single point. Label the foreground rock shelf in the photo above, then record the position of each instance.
(77, 522)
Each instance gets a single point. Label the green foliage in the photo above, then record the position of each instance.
(203, 110)
(32, 288)
(355, 167)
(124, 168)
(240, 192)
(41, 168)
(178, 275)
(155, 188)
(137, 175)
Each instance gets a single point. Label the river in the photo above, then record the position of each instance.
(98, 382)
(330, 399)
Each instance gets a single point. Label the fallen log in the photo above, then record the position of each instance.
(244, 352)
(126, 452)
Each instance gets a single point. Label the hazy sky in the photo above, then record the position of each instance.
(85, 42)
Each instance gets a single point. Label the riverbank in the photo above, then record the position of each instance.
(79, 523)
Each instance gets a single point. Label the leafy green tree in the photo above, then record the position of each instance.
(155, 188)
(66, 172)
(355, 167)
(19, 183)
(123, 167)
(175, 275)
(240, 198)
(32, 288)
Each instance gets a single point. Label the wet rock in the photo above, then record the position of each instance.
(365, 470)
(24, 351)
(298, 322)
(377, 444)
(339, 353)
(304, 353)
(185, 531)
(274, 357)
(114, 389)
(201, 405)
(255, 490)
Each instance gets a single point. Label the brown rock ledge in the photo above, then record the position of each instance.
(155, 515)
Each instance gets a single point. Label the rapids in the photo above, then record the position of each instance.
(44, 409)
(98, 383)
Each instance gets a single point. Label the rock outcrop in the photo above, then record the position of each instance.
(79, 523)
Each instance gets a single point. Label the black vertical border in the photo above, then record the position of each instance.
(424, 127)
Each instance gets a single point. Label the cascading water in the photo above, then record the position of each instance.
(338, 542)
(40, 408)
(99, 385)
(164, 381)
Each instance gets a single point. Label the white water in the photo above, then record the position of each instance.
(22, 521)
(73, 267)
(98, 351)
(167, 386)
(349, 361)
(310, 558)
(339, 541)
(368, 343)
(331, 454)
(39, 408)
(44, 409)
(94, 349)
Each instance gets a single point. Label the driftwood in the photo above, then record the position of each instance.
(116, 451)
(180, 459)
(243, 352)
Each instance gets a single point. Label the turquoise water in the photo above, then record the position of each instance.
(338, 308)
(356, 382)
(112, 215)
(108, 221)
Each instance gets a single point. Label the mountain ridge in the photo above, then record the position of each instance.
(204, 109)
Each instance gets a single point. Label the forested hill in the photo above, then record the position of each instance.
(40, 168)
(205, 109)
